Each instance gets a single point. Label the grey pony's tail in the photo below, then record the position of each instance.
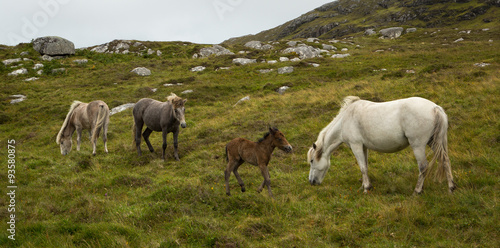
(102, 117)
(439, 144)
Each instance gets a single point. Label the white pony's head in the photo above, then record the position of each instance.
(319, 165)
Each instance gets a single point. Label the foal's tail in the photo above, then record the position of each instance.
(439, 144)
(102, 119)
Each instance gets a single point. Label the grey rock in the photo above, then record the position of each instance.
(59, 70)
(340, 56)
(187, 92)
(81, 61)
(411, 30)
(244, 61)
(11, 61)
(54, 46)
(37, 66)
(264, 71)
(304, 52)
(370, 32)
(121, 108)
(329, 47)
(18, 72)
(215, 50)
(17, 98)
(282, 89)
(31, 79)
(244, 99)
(141, 71)
(286, 69)
(391, 33)
(258, 45)
(198, 68)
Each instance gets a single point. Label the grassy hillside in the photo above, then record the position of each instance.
(122, 200)
(352, 17)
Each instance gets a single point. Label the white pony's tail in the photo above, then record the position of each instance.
(439, 144)
(66, 120)
(102, 116)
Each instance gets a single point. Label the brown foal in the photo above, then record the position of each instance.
(241, 150)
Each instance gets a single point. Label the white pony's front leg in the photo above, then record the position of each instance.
(361, 154)
(78, 138)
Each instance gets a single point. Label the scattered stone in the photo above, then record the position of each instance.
(121, 108)
(314, 64)
(215, 50)
(141, 71)
(411, 30)
(304, 51)
(344, 50)
(222, 68)
(158, 53)
(17, 98)
(244, 61)
(482, 64)
(170, 85)
(284, 59)
(458, 40)
(272, 62)
(295, 60)
(264, 71)
(187, 92)
(18, 72)
(244, 99)
(282, 89)
(286, 69)
(58, 70)
(24, 54)
(54, 46)
(410, 71)
(31, 79)
(370, 32)
(340, 56)
(101, 48)
(329, 47)
(151, 51)
(292, 43)
(258, 45)
(198, 68)
(47, 58)
(312, 40)
(81, 61)
(11, 61)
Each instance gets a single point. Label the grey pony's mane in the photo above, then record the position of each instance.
(318, 151)
(66, 121)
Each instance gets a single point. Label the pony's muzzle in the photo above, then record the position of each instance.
(313, 182)
(183, 125)
(288, 148)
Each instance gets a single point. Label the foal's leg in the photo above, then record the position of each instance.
(146, 134)
(176, 144)
(237, 175)
(419, 153)
(267, 180)
(94, 141)
(361, 154)
(231, 166)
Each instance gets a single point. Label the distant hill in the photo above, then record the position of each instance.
(348, 17)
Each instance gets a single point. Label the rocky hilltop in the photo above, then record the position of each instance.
(348, 17)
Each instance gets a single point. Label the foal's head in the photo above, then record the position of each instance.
(279, 140)
(179, 110)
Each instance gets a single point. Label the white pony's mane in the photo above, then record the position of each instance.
(66, 121)
(321, 137)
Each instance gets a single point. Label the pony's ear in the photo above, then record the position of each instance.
(184, 101)
(271, 130)
(314, 146)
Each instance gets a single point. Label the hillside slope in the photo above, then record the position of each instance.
(348, 17)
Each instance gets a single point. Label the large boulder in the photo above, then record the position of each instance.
(53, 46)
(304, 51)
(392, 33)
(215, 50)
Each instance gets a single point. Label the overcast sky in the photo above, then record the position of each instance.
(94, 22)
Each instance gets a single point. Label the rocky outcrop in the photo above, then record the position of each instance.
(141, 71)
(215, 50)
(53, 46)
(391, 33)
(304, 52)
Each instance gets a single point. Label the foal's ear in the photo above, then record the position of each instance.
(184, 101)
(314, 146)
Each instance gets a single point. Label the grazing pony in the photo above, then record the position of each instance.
(159, 116)
(92, 116)
(384, 127)
(241, 150)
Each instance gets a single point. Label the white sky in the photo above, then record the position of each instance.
(94, 22)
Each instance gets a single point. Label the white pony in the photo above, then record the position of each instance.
(384, 127)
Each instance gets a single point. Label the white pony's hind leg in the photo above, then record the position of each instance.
(78, 138)
(361, 154)
(419, 153)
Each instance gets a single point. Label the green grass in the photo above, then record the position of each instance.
(122, 200)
